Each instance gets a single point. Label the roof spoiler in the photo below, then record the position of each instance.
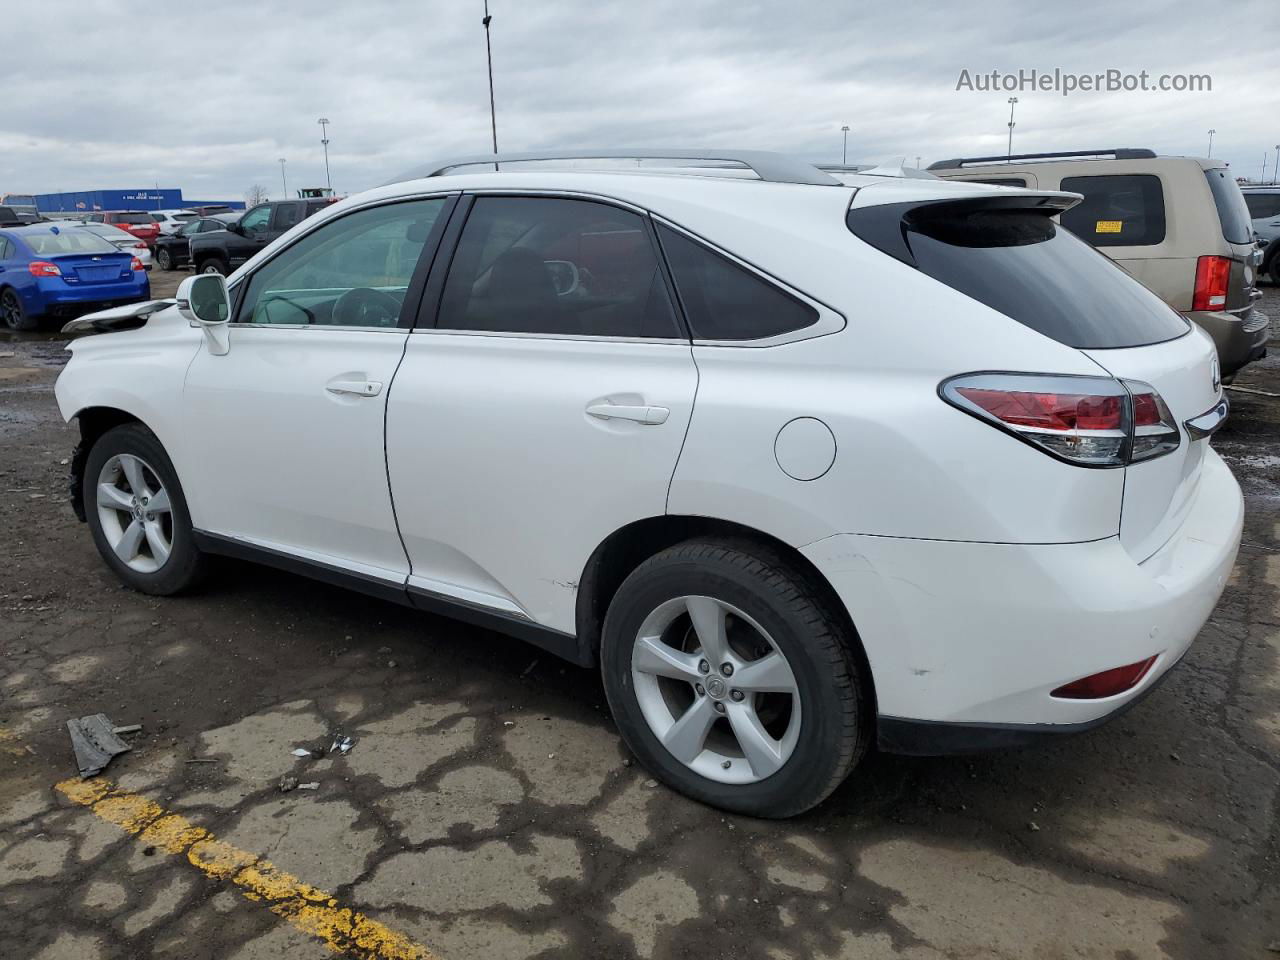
(1115, 153)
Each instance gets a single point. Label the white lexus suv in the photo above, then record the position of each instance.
(803, 464)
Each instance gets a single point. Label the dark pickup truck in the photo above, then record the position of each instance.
(221, 251)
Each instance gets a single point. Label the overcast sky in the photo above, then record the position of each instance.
(107, 94)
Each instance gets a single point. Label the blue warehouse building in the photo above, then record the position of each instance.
(87, 201)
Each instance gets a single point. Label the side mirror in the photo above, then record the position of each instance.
(235, 228)
(1263, 243)
(204, 301)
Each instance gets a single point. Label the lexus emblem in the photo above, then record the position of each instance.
(1216, 373)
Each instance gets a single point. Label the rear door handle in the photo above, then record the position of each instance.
(354, 388)
(640, 414)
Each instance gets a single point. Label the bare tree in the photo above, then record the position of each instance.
(256, 194)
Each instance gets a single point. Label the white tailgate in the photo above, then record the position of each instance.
(1157, 493)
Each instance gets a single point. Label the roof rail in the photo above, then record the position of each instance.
(1116, 153)
(897, 167)
(771, 167)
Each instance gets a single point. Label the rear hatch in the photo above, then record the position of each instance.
(1237, 231)
(95, 268)
(1006, 252)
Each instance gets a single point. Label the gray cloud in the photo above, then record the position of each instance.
(209, 98)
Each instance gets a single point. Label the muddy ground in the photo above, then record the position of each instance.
(488, 810)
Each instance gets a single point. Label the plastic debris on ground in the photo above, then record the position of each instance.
(96, 742)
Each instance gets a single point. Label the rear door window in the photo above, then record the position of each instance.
(1236, 225)
(542, 265)
(1021, 263)
(286, 215)
(725, 301)
(1120, 210)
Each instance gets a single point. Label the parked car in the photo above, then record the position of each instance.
(174, 252)
(170, 220)
(224, 250)
(121, 239)
(799, 466)
(1178, 224)
(48, 270)
(1264, 209)
(23, 207)
(10, 217)
(212, 209)
(136, 222)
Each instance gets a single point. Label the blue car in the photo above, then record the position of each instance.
(47, 270)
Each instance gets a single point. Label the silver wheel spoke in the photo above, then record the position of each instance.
(653, 656)
(708, 623)
(129, 543)
(155, 539)
(159, 502)
(763, 753)
(769, 674)
(687, 736)
(132, 468)
(112, 497)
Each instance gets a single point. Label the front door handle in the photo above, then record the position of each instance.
(640, 414)
(354, 388)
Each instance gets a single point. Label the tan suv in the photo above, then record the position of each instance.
(1178, 224)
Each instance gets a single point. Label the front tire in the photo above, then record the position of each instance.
(15, 315)
(213, 265)
(138, 514)
(732, 679)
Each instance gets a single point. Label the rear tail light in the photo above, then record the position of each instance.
(1212, 274)
(137, 264)
(1087, 421)
(43, 268)
(1107, 683)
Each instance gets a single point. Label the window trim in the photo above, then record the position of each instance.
(417, 283)
(429, 317)
(829, 319)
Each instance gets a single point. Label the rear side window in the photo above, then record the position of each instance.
(1263, 205)
(556, 266)
(1019, 262)
(724, 301)
(1124, 210)
(1232, 211)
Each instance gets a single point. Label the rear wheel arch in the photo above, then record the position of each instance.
(628, 547)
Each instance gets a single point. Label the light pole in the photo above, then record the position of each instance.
(324, 140)
(488, 52)
(917, 163)
(1211, 133)
(1009, 152)
(284, 184)
(844, 151)
(1275, 174)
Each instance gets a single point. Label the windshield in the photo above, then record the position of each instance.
(1236, 225)
(66, 241)
(1018, 261)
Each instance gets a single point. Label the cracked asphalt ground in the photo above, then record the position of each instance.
(488, 810)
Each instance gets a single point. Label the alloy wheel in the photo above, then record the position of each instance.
(135, 513)
(716, 690)
(11, 310)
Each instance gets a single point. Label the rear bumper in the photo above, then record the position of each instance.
(1239, 339)
(966, 640)
(57, 296)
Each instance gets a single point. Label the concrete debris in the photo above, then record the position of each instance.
(313, 785)
(287, 783)
(341, 744)
(301, 752)
(95, 743)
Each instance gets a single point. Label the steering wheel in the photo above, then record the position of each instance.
(366, 307)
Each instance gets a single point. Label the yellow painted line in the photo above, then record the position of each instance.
(312, 911)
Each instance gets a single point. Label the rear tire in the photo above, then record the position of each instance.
(163, 260)
(15, 315)
(814, 705)
(138, 514)
(213, 265)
